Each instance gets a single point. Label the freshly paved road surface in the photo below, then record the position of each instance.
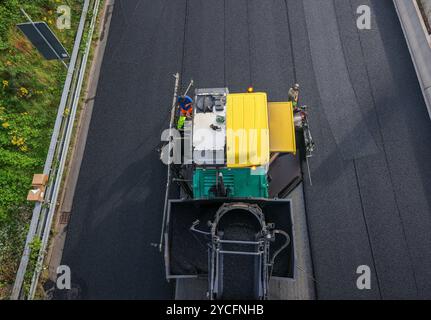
(370, 202)
(369, 206)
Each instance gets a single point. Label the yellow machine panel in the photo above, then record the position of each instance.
(281, 127)
(247, 130)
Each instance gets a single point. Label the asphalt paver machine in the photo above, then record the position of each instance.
(229, 221)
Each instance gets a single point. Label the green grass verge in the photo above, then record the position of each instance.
(30, 91)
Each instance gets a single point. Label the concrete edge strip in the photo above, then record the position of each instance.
(418, 42)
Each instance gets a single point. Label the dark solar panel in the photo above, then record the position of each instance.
(44, 40)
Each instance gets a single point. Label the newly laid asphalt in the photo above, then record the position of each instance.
(371, 196)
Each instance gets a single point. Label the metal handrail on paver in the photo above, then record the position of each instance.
(43, 214)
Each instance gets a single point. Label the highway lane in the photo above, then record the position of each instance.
(371, 173)
(370, 208)
(118, 203)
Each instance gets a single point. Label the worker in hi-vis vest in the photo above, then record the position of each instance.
(185, 104)
(293, 95)
(186, 108)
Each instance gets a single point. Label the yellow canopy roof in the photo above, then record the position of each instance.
(281, 127)
(247, 130)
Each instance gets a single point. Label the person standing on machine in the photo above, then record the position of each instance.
(293, 95)
(185, 104)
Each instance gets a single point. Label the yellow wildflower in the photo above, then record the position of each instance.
(5, 125)
(17, 141)
(23, 92)
(23, 148)
(5, 84)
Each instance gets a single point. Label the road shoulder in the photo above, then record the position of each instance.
(62, 218)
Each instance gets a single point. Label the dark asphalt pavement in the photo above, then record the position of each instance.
(370, 202)
(368, 206)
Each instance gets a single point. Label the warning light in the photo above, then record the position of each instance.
(250, 89)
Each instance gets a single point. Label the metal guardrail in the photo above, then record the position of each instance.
(418, 42)
(43, 214)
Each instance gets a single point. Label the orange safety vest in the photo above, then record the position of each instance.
(187, 112)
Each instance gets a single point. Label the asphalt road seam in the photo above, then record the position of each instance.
(386, 161)
(247, 6)
(186, 18)
(367, 228)
(292, 51)
(224, 44)
(295, 77)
